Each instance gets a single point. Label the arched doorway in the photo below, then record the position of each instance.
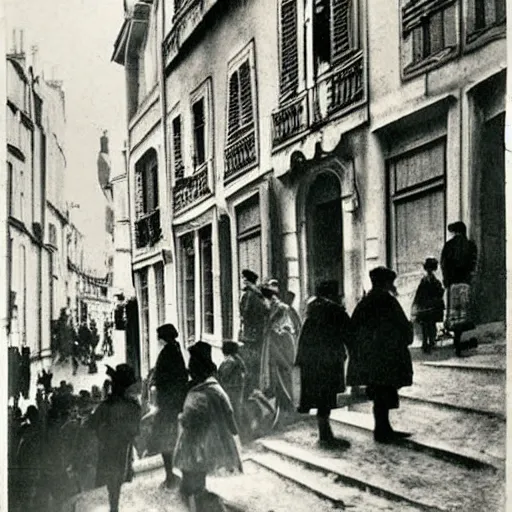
(324, 231)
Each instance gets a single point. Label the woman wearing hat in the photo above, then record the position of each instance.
(206, 441)
(170, 379)
(428, 304)
(116, 423)
(379, 356)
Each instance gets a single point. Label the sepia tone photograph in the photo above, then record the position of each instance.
(254, 255)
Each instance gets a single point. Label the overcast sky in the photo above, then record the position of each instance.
(75, 40)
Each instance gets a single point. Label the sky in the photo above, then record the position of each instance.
(75, 41)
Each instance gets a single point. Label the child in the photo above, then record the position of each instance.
(206, 441)
(116, 423)
(428, 304)
(232, 374)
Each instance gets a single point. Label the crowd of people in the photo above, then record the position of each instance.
(195, 416)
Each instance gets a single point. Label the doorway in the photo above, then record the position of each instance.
(491, 271)
(324, 231)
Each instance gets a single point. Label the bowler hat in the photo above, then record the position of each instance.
(328, 289)
(123, 376)
(382, 275)
(230, 346)
(250, 275)
(430, 264)
(457, 227)
(201, 355)
(167, 332)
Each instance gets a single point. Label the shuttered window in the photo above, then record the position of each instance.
(249, 235)
(341, 29)
(240, 109)
(160, 292)
(188, 286)
(205, 241)
(289, 49)
(144, 313)
(179, 168)
(199, 132)
(417, 188)
(483, 14)
(146, 183)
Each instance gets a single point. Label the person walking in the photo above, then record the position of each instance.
(379, 356)
(278, 351)
(253, 314)
(321, 356)
(170, 379)
(206, 441)
(428, 304)
(458, 264)
(116, 423)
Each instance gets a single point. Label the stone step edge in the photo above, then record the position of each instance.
(461, 408)
(310, 460)
(466, 367)
(281, 470)
(470, 458)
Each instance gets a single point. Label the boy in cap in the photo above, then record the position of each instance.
(428, 304)
(116, 423)
(206, 441)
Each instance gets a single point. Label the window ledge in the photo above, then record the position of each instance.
(432, 62)
(478, 38)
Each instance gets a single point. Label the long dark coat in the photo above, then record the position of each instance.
(253, 311)
(170, 379)
(378, 351)
(428, 304)
(321, 354)
(458, 260)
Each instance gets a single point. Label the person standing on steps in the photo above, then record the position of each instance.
(458, 264)
(321, 356)
(253, 314)
(428, 304)
(170, 379)
(379, 355)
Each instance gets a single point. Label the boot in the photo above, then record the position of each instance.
(326, 437)
(383, 432)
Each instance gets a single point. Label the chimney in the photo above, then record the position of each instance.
(14, 41)
(104, 142)
(21, 41)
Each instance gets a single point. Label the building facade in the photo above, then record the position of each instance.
(333, 137)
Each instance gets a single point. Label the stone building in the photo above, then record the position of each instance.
(333, 136)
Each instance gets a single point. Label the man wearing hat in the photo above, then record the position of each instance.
(458, 263)
(428, 304)
(253, 314)
(170, 379)
(379, 356)
(321, 356)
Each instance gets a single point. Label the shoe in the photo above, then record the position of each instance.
(334, 443)
(390, 437)
(473, 343)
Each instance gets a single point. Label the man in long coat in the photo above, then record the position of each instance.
(170, 379)
(321, 355)
(379, 356)
(253, 313)
(458, 263)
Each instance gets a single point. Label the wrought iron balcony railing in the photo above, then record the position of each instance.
(240, 154)
(190, 189)
(290, 120)
(148, 230)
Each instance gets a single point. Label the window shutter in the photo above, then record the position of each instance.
(245, 94)
(199, 132)
(139, 195)
(177, 154)
(341, 29)
(289, 49)
(154, 186)
(234, 106)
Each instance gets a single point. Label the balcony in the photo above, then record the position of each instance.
(334, 94)
(290, 120)
(190, 189)
(240, 154)
(148, 230)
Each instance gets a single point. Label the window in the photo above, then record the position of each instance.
(179, 168)
(146, 170)
(334, 31)
(205, 241)
(199, 133)
(10, 177)
(289, 53)
(160, 292)
(52, 234)
(429, 34)
(240, 110)
(416, 184)
(188, 285)
(249, 235)
(483, 15)
(144, 313)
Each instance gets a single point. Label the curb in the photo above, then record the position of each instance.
(465, 367)
(324, 466)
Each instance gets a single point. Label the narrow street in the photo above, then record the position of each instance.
(454, 460)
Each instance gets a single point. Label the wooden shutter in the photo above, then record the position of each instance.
(139, 194)
(341, 29)
(289, 48)
(199, 132)
(244, 74)
(177, 154)
(154, 185)
(234, 106)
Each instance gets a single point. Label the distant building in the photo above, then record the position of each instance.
(311, 141)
